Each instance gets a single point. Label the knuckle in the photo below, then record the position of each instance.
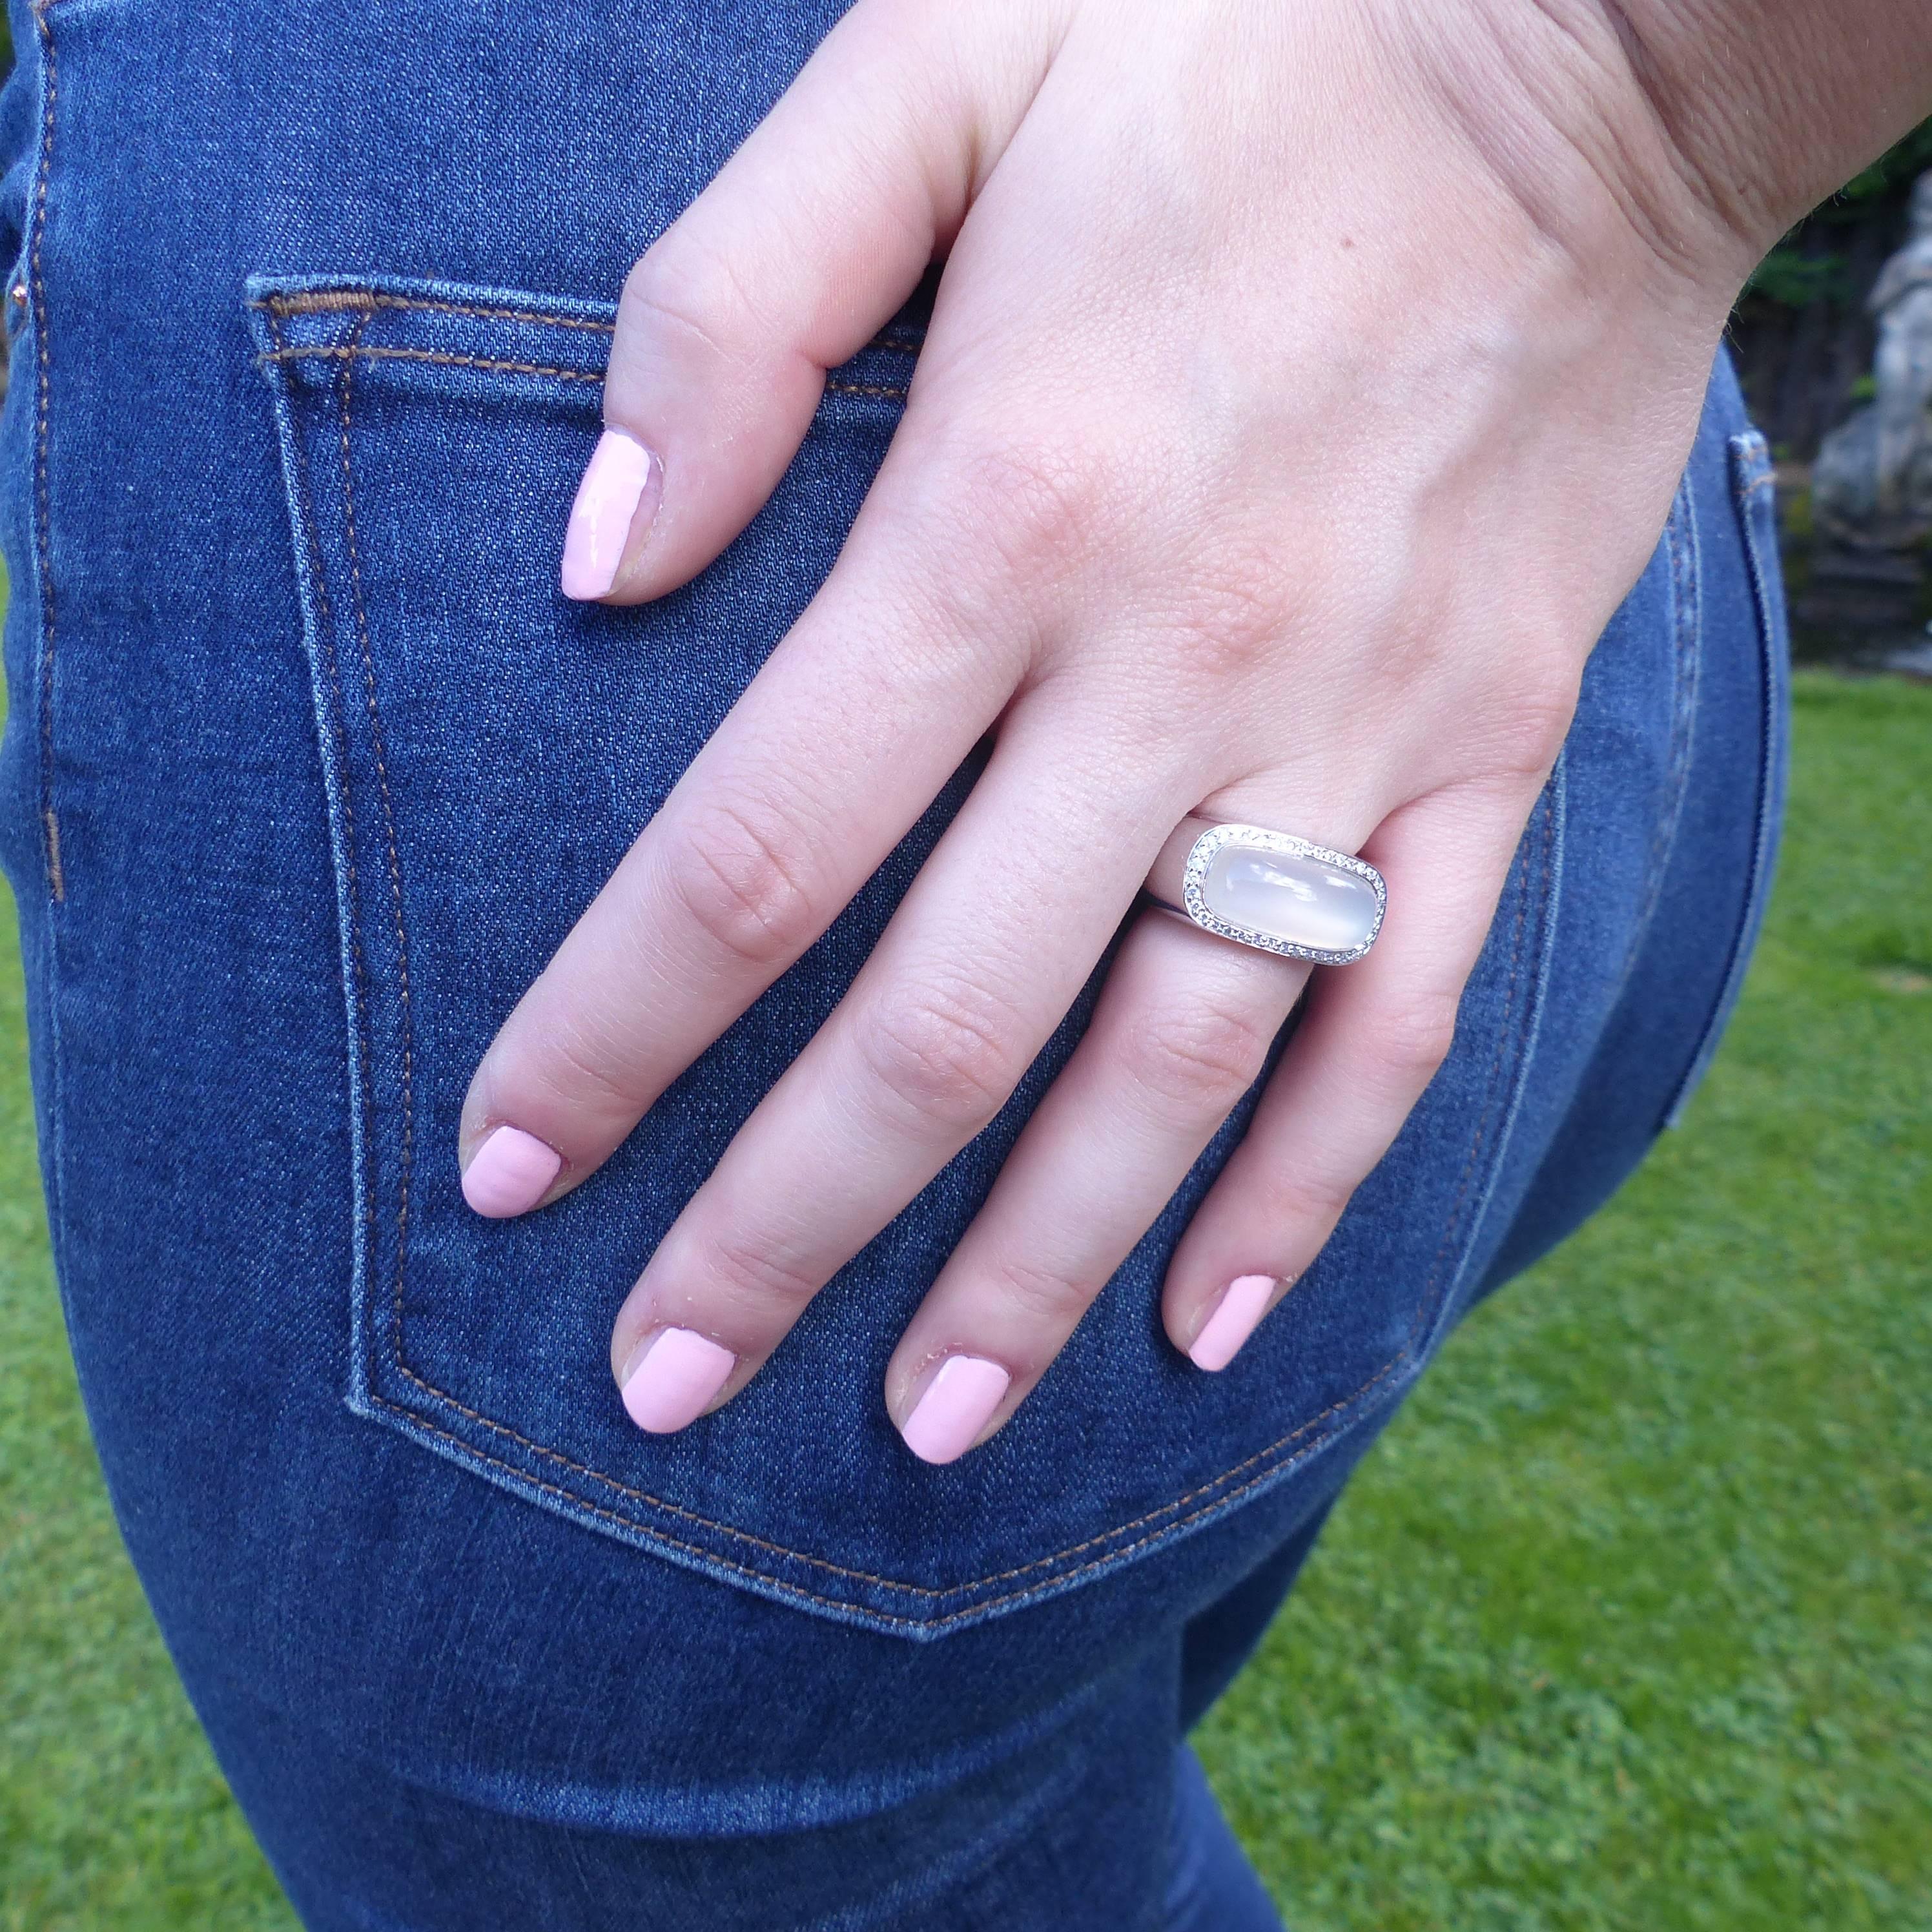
(1238, 611)
(589, 1068)
(1051, 504)
(727, 871)
(686, 282)
(943, 1055)
(1413, 1039)
(1196, 1061)
(1534, 717)
(754, 1272)
(1048, 1300)
(1304, 1198)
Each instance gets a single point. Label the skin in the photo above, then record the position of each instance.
(1307, 387)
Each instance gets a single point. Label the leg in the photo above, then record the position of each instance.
(307, 768)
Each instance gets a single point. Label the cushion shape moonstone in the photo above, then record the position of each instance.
(1297, 900)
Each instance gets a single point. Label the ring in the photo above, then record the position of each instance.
(1270, 890)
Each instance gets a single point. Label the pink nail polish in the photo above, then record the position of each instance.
(956, 1405)
(673, 1382)
(1241, 1307)
(508, 1173)
(621, 482)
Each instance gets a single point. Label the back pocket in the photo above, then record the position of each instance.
(489, 750)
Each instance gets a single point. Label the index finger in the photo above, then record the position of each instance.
(838, 745)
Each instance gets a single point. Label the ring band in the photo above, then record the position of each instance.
(1270, 890)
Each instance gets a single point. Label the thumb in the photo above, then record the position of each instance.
(811, 237)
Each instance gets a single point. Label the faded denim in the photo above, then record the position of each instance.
(308, 767)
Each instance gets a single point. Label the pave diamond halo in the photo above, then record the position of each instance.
(1275, 892)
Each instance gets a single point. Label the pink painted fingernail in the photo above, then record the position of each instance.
(1242, 1306)
(508, 1173)
(673, 1382)
(621, 482)
(957, 1404)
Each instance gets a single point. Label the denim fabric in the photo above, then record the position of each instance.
(308, 767)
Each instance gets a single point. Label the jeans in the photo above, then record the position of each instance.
(307, 768)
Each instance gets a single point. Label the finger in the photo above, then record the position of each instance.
(1181, 1032)
(811, 236)
(837, 747)
(980, 964)
(1371, 1038)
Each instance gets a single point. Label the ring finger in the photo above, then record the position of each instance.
(1183, 1029)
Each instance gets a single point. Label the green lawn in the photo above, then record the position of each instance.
(1627, 1623)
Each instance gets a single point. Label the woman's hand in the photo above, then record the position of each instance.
(1307, 387)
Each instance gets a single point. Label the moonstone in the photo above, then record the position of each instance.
(1301, 902)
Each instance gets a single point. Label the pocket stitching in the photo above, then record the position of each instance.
(406, 1157)
(1271, 1454)
(349, 353)
(985, 1606)
(325, 627)
(353, 296)
(893, 338)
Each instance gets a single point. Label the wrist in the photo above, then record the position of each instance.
(1698, 130)
(1775, 104)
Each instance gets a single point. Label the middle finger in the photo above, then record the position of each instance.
(981, 962)
(1182, 1031)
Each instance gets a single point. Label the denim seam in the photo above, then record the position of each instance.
(356, 991)
(1271, 1454)
(351, 352)
(43, 520)
(1752, 476)
(985, 1607)
(325, 301)
(1496, 1082)
(1555, 832)
(1687, 593)
(406, 1156)
(1685, 552)
(904, 341)
(54, 1111)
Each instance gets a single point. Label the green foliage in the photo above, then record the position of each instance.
(1796, 273)
(1626, 1626)
(1893, 171)
(1796, 280)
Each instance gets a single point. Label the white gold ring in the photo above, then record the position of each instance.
(1270, 890)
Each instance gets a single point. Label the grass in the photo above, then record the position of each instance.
(1628, 1623)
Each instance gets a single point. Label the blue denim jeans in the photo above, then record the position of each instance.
(309, 767)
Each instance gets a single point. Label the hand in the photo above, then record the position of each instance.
(1307, 387)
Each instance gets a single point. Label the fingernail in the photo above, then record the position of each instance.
(623, 481)
(1243, 1305)
(508, 1173)
(674, 1380)
(957, 1405)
